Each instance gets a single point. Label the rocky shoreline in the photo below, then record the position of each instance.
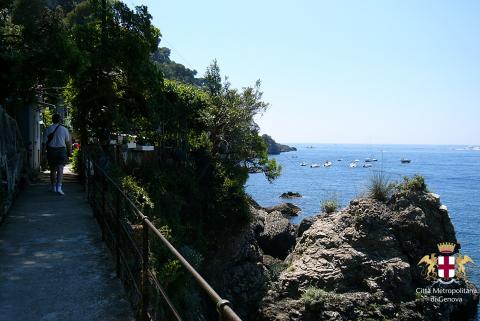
(359, 263)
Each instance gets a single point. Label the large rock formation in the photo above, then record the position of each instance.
(287, 209)
(275, 234)
(362, 264)
(275, 148)
(237, 273)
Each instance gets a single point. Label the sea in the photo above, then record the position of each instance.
(453, 172)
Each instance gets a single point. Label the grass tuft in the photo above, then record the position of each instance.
(380, 187)
(330, 204)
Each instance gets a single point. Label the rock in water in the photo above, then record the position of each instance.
(362, 263)
(290, 195)
(287, 209)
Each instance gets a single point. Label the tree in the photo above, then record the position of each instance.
(175, 71)
(119, 83)
(35, 51)
(230, 122)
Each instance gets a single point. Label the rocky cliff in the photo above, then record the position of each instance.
(275, 148)
(360, 263)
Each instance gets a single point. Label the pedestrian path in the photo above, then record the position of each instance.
(53, 263)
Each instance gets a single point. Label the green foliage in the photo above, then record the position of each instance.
(136, 193)
(229, 119)
(174, 71)
(413, 184)
(380, 187)
(209, 139)
(117, 84)
(170, 272)
(47, 114)
(314, 296)
(35, 50)
(76, 160)
(275, 269)
(330, 205)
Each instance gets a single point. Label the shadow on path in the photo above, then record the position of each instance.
(53, 263)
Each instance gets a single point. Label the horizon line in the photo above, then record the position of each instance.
(415, 144)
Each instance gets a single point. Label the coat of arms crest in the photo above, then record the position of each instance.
(446, 268)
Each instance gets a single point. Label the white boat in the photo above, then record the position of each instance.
(327, 164)
(374, 160)
(315, 165)
(303, 164)
(353, 165)
(356, 161)
(405, 161)
(367, 165)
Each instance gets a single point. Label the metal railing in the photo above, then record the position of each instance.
(130, 246)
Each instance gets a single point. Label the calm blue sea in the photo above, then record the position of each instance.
(450, 171)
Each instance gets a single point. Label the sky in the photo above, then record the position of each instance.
(361, 72)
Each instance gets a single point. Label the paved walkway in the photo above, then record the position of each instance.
(53, 264)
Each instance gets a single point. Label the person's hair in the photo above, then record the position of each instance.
(56, 118)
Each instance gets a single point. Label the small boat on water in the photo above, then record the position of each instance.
(339, 160)
(303, 164)
(405, 161)
(356, 161)
(367, 165)
(374, 160)
(327, 164)
(368, 160)
(353, 165)
(314, 165)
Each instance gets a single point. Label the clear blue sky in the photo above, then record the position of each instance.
(341, 71)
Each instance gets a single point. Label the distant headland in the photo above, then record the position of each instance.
(275, 148)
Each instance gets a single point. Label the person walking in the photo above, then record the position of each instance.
(58, 145)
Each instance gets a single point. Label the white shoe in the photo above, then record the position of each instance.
(59, 190)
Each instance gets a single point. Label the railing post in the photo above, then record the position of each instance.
(145, 289)
(102, 218)
(89, 181)
(117, 234)
(94, 191)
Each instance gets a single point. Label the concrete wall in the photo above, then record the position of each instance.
(28, 120)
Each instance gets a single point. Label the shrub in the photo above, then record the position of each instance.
(329, 205)
(313, 296)
(380, 187)
(414, 184)
(275, 270)
(75, 160)
(170, 272)
(136, 193)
